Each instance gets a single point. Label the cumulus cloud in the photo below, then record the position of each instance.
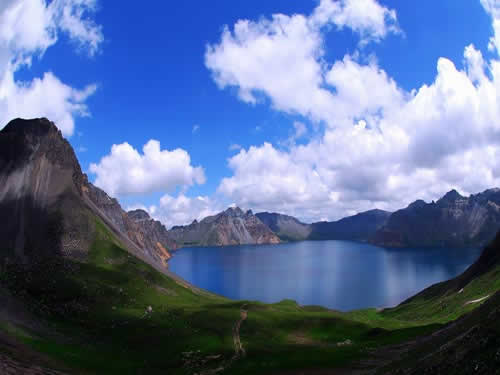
(366, 17)
(253, 55)
(381, 146)
(126, 171)
(27, 29)
(182, 210)
(493, 9)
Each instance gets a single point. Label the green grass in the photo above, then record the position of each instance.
(99, 313)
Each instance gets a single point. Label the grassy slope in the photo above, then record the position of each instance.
(98, 312)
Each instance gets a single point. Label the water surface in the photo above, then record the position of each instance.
(337, 274)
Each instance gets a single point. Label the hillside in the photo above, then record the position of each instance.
(230, 227)
(453, 221)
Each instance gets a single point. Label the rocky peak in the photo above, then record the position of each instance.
(23, 141)
(139, 215)
(234, 212)
(450, 197)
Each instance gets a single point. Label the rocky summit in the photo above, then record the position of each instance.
(49, 208)
(230, 227)
(454, 220)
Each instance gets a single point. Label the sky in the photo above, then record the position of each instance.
(317, 109)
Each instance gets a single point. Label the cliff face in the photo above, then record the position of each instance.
(41, 209)
(151, 238)
(453, 220)
(154, 231)
(231, 227)
(47, 206)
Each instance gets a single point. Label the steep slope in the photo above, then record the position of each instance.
(286, 227)
(359, 227)
(230, 227)
(470, 342)
(41, 206)
(47, 204)
(155, 233)
(453, 220)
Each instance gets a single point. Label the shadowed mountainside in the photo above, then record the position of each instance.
(453, 221)
(360, 227)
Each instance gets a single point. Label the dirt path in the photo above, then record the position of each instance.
(239, 351)
(476, 300)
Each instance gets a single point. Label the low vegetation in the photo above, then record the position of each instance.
(114, 314)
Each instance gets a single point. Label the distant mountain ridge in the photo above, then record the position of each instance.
(454, 220)
(359, 227)
(230, 227)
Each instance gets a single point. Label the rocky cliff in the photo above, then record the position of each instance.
(154, 232)
(151, 238)
(47, 205)
(41, 207)
(230, 227)
(453, 220)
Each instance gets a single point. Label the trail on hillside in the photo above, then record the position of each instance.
(476, 300)
(239, 351)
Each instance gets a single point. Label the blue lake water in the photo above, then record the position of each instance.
(341, 275)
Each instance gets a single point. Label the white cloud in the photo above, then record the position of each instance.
(126, 171)
(182, 210)
(27, 29)
(381, 147)
(368, 18)
(493, 9)
(254, 55)
(196, 127)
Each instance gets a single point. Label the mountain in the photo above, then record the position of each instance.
(286, 227)
(359, 227)
(230, 227)
(453, 220)
(47, 205)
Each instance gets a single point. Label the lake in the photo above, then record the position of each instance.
(342, 275)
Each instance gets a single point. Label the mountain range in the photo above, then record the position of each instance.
(84, 288)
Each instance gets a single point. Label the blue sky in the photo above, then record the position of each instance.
(150, 73)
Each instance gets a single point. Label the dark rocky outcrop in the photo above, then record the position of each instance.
(453, 220)
(230, 227)
(41, 206)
